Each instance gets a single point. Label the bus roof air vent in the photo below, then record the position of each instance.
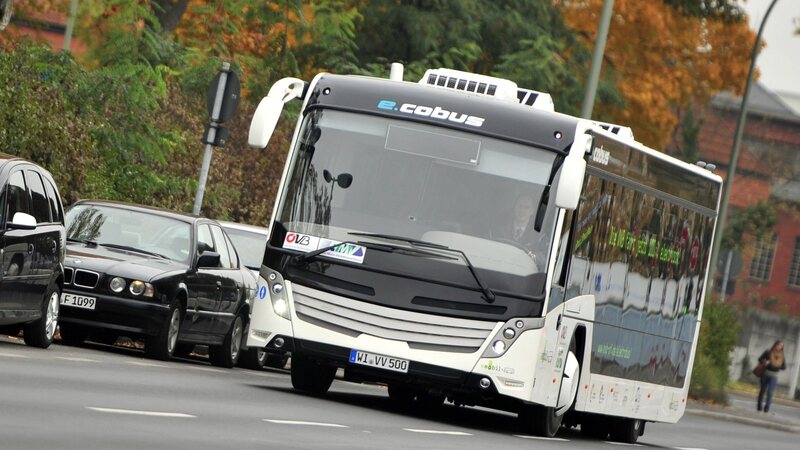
(535, 99)
(623, 132)
(471, 83)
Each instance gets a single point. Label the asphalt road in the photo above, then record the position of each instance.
(101, 397)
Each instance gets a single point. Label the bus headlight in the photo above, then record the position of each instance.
(277, 292)
(281, 308)
(499, 347)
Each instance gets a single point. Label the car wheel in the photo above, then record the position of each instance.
(311, 376)
(40, 333)
(227, 354)
(162, 345)
(253, 358)
(72, 334)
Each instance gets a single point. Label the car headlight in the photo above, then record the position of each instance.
(117, 285)
(139, 287)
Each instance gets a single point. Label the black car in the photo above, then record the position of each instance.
(32, 251)
(173, 279)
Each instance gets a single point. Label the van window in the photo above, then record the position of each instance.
(39, 203)
(17, 195)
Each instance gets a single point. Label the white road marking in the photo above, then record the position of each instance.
(68, 358)
(451, 433)
(541, 438)
(140, 413)
(13, 355)
(144, 364)
(300, 422)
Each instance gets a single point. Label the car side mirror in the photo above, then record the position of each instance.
(22, 221)
(208, 260)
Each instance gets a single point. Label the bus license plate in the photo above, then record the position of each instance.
(78, 301)
(379, 361)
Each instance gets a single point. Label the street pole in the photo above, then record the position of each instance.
(73, 11)
(597, 60)
(201, 185)
(737, 141)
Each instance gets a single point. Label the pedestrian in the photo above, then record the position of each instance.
(774, 362)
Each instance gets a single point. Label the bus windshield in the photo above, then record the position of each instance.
(355, 174)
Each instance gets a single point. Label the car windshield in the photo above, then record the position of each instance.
(249, 245)
(130, 229)
(357, 173)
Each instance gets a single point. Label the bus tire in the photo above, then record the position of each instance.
(626, 430)
(311, 376)
(539, 420)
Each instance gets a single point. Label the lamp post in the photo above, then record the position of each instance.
(73, 11)
(737, 141)
(597, 60)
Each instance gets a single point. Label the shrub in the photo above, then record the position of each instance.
(718, 332)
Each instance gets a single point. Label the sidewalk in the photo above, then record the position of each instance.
(784, 414)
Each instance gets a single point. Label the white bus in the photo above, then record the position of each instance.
(391, 252)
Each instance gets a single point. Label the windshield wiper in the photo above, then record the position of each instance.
(487, 292)
(132, 249)
(82, 241)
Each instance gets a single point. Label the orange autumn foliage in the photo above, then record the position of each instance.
(663, 60)
(244, 31)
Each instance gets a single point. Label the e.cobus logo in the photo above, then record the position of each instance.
(435, 112)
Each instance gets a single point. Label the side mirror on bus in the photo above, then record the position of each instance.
(570, 181)
(270, 108)
(264, 121)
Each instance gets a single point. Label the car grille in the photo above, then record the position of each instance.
(67, 275)
(86, 279)
(418, 330)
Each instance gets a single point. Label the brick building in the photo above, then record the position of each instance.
(47, 27)
(769, 171)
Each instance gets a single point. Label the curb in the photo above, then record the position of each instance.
(775, 399)
(744, 420)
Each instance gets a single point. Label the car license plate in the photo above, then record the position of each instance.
(380, 361)
(78, 301)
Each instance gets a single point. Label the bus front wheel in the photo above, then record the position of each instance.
(539, 420)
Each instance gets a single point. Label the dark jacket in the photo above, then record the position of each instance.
(770, 368)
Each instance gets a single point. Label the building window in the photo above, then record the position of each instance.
(794, 268)
(763, 256)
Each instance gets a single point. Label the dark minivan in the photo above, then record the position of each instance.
(32, 239)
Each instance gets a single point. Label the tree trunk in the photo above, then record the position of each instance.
(5, 13)
(168, 13)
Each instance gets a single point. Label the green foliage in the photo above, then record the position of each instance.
(39, 120)
(689, 144)
(718, 332)
(99, 132)
(522, 40)
(755, 221)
